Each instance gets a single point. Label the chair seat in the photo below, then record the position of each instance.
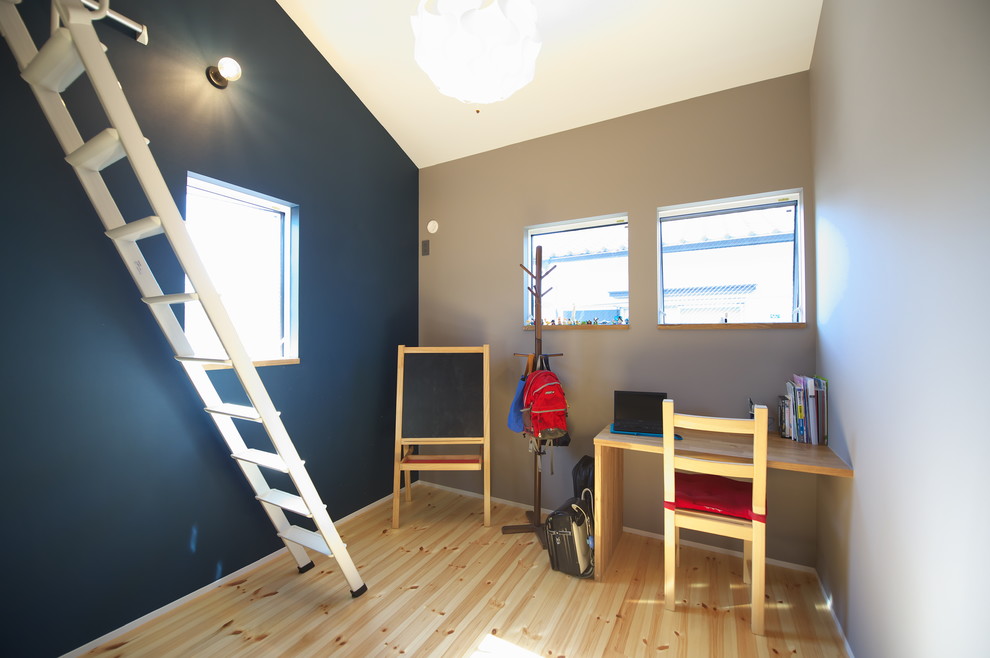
(715, 494)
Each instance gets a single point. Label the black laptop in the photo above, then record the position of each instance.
(639, 412)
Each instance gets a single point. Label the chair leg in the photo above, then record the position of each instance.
(747, 561)
(669, 559)
(758, 586)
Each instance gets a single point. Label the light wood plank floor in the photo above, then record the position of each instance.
(443, 585)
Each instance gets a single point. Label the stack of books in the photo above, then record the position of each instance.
(802, 413)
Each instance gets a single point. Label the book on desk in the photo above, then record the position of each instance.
(803, 410)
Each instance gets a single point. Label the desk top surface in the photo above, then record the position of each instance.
(782, 454)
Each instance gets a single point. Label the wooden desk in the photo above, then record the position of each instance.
(782, 454)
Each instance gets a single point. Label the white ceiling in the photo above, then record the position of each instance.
(600, 59)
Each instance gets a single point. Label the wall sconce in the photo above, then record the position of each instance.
(226, 70)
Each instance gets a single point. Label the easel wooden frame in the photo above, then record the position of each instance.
(407, 461)
(535, 516)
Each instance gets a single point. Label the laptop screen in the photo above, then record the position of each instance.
(639, 411)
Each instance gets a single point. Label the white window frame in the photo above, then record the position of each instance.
(289, 249)
(529, 254)
(739, 204)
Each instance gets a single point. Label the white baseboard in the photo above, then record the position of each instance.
(472, 494)
(706, 547)
(202, 590)
(240, 572)
(724, 551)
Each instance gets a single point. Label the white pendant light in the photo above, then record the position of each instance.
(477, 51)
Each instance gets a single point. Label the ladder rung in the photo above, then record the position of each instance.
(177, 298)
(137, 230)
(99, 152)
(306, 538)
(57, 64)
(269, 460)
(286, 501)
(205, 360)
(237, 411)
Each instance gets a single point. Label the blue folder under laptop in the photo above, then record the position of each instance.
(639, 413)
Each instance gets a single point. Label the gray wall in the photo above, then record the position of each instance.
(901, 107)
(743, 141)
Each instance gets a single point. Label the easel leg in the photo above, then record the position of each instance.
(406, 451)
(396, 480)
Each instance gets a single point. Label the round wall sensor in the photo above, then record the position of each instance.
(432, 227)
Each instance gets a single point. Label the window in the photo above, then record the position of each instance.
(732, 261)
(247, 242)
(590, 285)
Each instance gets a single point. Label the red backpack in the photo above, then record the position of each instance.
(545, 408)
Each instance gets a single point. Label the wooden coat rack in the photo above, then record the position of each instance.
(535, 515)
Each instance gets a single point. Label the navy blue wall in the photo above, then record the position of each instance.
(120, 496)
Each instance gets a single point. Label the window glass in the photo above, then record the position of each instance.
(590, 282)
(733, 261)
(245, 243)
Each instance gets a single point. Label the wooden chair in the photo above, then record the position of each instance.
(442, 399)
(719, 496)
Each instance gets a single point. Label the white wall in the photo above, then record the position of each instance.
(901, 116)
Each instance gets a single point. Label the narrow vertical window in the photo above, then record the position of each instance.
(247, 242)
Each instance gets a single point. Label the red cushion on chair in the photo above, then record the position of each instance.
(716, 494)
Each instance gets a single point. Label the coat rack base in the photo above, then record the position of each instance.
(533, 526)
(534, 515)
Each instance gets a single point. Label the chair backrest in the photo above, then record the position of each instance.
(755, 470)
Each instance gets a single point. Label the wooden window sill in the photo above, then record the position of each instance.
(579, 327)
(737, 325)
(258, 364)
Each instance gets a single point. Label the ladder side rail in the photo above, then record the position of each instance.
(321, 518)
(67, 134)
(92, 182)
(149, 176)
(235, 443)
(163, 205)
(24, 50)
(18, 38)
(57, 114)
(254, 476)
(105, 83)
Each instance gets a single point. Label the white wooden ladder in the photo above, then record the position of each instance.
(72, 49)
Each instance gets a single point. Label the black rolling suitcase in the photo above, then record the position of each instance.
(570, 535)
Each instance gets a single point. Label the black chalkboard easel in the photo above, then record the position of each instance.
(442, 398)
